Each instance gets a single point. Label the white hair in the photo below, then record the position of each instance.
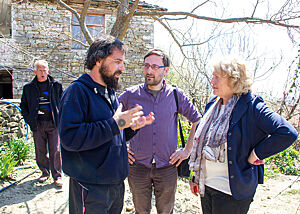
(40, 62)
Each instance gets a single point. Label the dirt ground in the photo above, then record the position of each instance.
(278, 195)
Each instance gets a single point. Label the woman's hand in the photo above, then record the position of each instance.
(254, 160)
(194, 188)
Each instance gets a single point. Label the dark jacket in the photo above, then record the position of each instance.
(30, 101)
(92, 146)
(253, 126)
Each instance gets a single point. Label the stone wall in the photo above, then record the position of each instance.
(43, 30)
(12, 124)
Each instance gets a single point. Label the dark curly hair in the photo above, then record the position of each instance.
(101, 48)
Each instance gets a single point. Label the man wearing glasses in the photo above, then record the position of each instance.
(153, 157)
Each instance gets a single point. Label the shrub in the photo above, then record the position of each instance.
(287, 161)
(7, 163)
(20, 149)
(186, 126)
(13, 153)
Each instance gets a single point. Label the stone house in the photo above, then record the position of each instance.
(42, 29)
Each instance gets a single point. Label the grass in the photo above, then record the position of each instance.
(13, 153)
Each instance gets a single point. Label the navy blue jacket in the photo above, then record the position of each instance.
(93, 148)
(30, 101)
(253, 126)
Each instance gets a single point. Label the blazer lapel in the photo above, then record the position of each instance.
(240, 109)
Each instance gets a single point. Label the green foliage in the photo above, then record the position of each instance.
(11, 154)
(287, 162)
(293, 192)
(271, 171)
(186, 126)
(7, 162)
(20, 149)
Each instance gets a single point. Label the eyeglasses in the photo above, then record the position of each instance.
(153, 67)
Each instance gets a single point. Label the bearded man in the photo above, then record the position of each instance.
(153, 156)
(93, 132)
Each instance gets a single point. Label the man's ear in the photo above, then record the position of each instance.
(166, 70)
(99, 63)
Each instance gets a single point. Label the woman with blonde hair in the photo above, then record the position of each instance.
(237, 132)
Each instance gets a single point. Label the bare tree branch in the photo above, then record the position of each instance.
(200, 5)
(248, 20)
(121, 24)
(269, 71)
(69, 8)
(291, 112)
(257, 2)
(80, 18)
(128, 18)
(282, 12)
(171, 33)
(121, 18)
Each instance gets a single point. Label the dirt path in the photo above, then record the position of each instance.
(29, 196)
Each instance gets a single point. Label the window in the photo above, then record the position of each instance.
(95, 24)
(5, 18)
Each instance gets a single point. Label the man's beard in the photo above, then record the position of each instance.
(153, 81)
(110, 81)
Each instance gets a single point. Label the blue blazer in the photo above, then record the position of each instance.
(253, 125)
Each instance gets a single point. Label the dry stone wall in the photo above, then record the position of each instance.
(43, 30)
(12, 124)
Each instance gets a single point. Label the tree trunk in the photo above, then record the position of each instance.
(124, 16)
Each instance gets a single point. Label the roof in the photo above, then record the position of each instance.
(110, 3)
(150, 6)
(142, 4)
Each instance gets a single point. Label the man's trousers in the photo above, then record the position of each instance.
(47, 149)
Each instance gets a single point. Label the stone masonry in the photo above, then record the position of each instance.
(12, 124)
(42, 29)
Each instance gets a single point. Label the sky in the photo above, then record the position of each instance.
(272, 42)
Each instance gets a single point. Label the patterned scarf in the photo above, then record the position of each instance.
(210, 139)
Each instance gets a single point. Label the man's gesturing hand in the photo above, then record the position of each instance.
(126, 118)
(142, 121)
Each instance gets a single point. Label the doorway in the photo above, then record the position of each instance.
(6, 87)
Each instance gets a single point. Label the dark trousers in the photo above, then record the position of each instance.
(216, 202)
(46, 139)
(163, 180)
(95, 198)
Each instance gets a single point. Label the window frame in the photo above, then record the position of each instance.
(5, 19)
(88, 25)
